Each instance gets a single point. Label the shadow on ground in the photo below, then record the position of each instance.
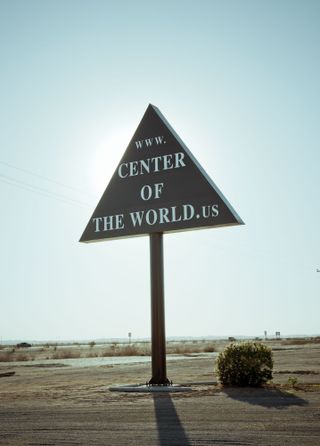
(170, 428)
(171, 431)
(269, 398)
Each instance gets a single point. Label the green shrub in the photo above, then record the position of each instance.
(246, 364)
(292, 381)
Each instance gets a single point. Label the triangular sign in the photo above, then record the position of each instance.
(158, 186)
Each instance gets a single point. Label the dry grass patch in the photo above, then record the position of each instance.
(299, 341)
(190, 347)
(65, 354)
(11, 356)
(126, 350)
(6, 357)
(93, 350)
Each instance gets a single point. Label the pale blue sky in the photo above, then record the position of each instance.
(239, 82)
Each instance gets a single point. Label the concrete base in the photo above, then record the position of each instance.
(142, 388)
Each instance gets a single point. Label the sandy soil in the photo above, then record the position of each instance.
(52, 405)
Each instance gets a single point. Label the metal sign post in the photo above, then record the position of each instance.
(157, 188)
(158, 336)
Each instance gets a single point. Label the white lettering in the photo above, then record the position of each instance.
(188, 212)
(121, 175)
(108, 223)
(210, 211)
(150, 213)
(139, 144)
(206, 211)
(179, 156)
(119, 221)
(113, 222)
(158, 189)
(136, 218)
(163, 215)
(133, 168)
(167, 162)
(97, 221)
(148, 142)
(159, 139)
(156, 163)
(174, 218)
(146, 192)
(145, 164)
(151, 165)
(215, 210)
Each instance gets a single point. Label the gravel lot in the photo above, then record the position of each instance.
(52, 405)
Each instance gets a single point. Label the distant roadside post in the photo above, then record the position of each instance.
(158, 187)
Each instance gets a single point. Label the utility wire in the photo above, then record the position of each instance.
(39, 190)
(11, 166)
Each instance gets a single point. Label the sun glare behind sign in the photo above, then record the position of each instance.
(158, 186)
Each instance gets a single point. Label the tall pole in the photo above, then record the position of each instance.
(158, 337)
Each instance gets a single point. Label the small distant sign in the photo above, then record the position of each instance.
(158, 186)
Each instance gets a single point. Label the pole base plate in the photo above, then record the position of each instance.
(143, 388)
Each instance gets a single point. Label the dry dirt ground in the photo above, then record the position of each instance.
(46, 405)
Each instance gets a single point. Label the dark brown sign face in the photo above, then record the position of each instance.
(158, 186)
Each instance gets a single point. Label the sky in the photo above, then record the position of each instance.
(238, 80)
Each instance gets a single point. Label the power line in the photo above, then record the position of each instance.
(38, 190)
(43, 177)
